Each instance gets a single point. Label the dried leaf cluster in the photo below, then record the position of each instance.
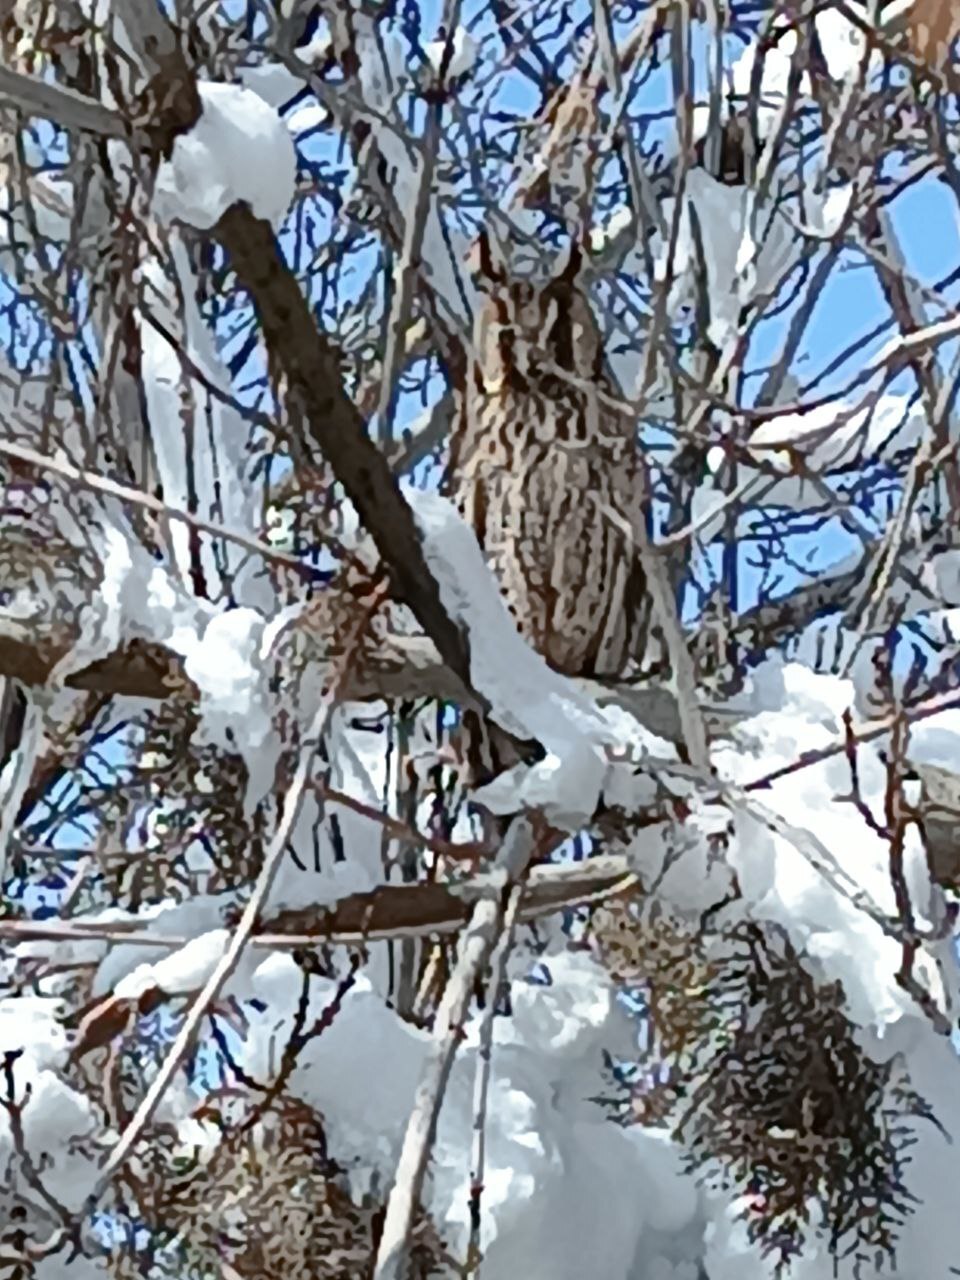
(757, 1069)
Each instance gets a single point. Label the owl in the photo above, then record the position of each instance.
(546, 472)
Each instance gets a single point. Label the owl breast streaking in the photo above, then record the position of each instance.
(546, 472)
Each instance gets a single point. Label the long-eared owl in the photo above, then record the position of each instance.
(546, 471)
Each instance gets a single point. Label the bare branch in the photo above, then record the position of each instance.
(65, 107)
(476, 944)
(292, 801)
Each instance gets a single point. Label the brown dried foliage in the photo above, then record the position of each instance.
(756, 1068)
(931, 27)
(267, 1200)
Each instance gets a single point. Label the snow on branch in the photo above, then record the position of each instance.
(239, 150)
(834, 435)
(526, 697)
(43, 1119)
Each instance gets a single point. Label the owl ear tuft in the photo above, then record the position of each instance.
(484, 259)
(573, 265)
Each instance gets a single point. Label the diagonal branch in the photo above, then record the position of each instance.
(292, 803)
(306, 357)
(476, 944)
(338, 431)
(64, 106)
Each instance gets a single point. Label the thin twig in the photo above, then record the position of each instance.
(692, 722)
(14, 1113)
(867, 732)
(476, 944)
(410, 259)
(292, 801)
(136, 497)
(498, 969)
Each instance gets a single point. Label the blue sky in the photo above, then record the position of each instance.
(849, 308)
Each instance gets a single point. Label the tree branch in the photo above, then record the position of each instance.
(476, 944)
(310, 364)
(388, 913)
(64, 106)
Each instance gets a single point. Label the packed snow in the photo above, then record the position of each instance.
(239, 150)
(566, 1192)
(527, 698)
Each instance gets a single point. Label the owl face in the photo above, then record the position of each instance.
(526, 329)
(507, 332)
(526, 320)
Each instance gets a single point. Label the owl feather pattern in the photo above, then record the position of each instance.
(539, 462)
